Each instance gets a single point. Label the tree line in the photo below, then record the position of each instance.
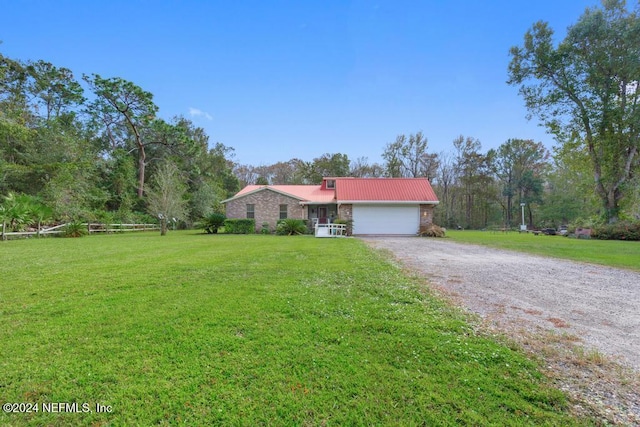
(476, 188)
(94, 148)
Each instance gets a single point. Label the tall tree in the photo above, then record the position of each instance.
(444, 185)
(15, 130)
(122, 108)
(13, 79)
(208, 170)
(520, 164)
(586, 92)
(53, 90)
(166, 195)
(569, 191)
(292, 171)
(361, 168)
(246, 174)
(40, 134)
(473, 169)
(392, 156)
(289, 172)
(566, 196)
(408, 157)
(335, 165)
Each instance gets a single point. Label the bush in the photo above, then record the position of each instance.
(592, 223)
(101, 217)
(75, 229)
(348, 223)
(212, 222)
(128, 217)
(240, 226)
(618, 231)
(431, 230)
(290, 227)
(265, 228)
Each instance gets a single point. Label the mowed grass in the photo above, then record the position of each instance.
(613, 253)
(194, 329)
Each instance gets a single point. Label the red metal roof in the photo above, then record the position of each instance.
(306, 193)
(384, 189)
(249, 189)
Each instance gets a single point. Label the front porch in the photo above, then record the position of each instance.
(322, 213)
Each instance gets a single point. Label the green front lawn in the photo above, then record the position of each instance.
(194, 329)
(613, 253)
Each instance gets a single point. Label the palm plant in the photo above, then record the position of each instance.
(20, 210)
(212, 222)
(40, 213)
(75, 229)
(16, 211)
(290, 227)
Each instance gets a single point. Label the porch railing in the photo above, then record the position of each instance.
(330, 230)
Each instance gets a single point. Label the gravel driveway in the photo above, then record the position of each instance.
(599, 307)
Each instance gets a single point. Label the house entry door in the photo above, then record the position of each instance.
(322, 215)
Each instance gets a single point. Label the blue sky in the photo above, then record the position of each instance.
(282, 79)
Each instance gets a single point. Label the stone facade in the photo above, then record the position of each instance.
(266, 207)
(426, 215)
(345, 212)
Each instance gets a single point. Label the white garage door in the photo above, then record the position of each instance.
(386, 219)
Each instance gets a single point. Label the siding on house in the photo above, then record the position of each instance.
(266, 207)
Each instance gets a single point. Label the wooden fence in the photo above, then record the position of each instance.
(91, 228)
(117, 228)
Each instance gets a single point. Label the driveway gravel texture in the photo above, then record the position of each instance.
(581, 320)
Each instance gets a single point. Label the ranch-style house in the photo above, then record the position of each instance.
(377, 206)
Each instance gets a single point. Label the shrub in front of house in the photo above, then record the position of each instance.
(290, 227)
(431, 230)
(212, 222)
(265, 228)
(240, 226)
(619, 231)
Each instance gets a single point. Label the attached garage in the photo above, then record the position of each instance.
(386, 219)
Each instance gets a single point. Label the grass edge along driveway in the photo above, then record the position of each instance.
(193, 329)
(612, 253)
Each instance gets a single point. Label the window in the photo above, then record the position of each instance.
(331, 183)
(251, 211)
(283, 211)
